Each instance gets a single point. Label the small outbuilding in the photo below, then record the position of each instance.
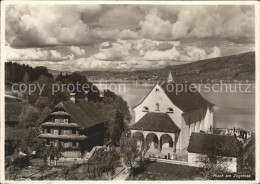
(226, 150)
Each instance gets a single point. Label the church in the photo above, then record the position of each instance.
(168, 115)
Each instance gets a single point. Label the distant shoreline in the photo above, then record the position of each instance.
(155, 82)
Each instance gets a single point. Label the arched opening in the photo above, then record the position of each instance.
(166, 141)
(152, 140)
(145, 109)
(170, 110)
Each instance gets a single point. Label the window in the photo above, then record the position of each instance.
(74, 144)
(48, 130)
(60, 120)
(157, 107)
(170, 110)
(66, 132)
(57, 120)
(56, 144)
(66, 145)
(56, 132)
(145, 109)
(48, 142)
(157, 90)
(73, 131)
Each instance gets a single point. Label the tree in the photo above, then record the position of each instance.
(105, 161)
(42, 102)
(143, 147)
(15, 164)
(133, 150)
(116, 126)
(32, 143)
(115, 109)
(29, 116)
(26, 78)
(214, 160)
(10, 145)
(129, 151)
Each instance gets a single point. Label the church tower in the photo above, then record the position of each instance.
(172, 78)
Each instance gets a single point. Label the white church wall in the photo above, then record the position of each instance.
(164, 102)
(185, 132)
(202, 118)
(208, 121)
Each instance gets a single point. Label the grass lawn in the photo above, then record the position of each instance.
(166, 171)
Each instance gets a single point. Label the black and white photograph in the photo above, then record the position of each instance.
(130, 91)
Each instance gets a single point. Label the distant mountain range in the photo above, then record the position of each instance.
(227, 68)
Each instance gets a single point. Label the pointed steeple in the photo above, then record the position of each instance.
(170, 78)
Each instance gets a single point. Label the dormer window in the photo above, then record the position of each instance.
(145, 109)
(157, 107)
(169, 110)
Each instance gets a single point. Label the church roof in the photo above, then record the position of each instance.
(153, 121)
(221, 145)
(83, 112)
(187, 99)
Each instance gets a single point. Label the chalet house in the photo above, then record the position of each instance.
(169, 115)
(75, 125)
(227, 148)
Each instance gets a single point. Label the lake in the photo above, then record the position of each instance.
(232, 109)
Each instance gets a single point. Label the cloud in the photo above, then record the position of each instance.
(157, 55)
(117, 51)
(47, 25)
(77, 51)
(215, 53)
(52, 25)
(229, 22)
(144, 45)
(154, 27)
(192, 53)
(35, 54)
(78, 37)
(127, 34)
(181, 54)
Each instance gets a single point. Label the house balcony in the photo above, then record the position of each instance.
(67, 137)
(53, 124)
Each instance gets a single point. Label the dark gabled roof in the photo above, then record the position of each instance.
(221, 145)
(83, 112)
(153, 121)
(187, 99)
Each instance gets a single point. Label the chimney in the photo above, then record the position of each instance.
(86, 95)
(73, 97)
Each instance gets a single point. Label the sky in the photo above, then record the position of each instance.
(125, 37)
